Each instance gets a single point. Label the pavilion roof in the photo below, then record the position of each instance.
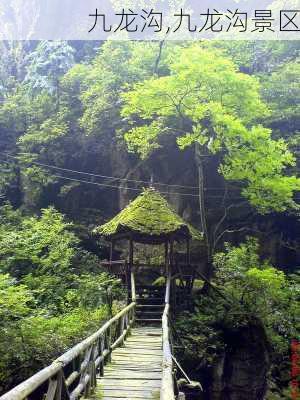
(148, 219)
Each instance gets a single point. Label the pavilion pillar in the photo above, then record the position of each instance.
(171, 254)
(169, 271)
(130, 253)
(188, 252)
(190, 280)
(111, 251)
(172, 282)
(131, 281)
(166, 256)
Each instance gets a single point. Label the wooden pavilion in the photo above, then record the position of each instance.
(148, 219)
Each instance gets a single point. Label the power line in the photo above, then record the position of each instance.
(118, 187)
(99, 176)
(106, 176)
(110, 186)
(134, 189)
(139, 190)
(125, 187)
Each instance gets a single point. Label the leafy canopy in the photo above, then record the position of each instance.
(52, 293)
(256, 294)
(258, 290)
(206, 100)
(37, 245)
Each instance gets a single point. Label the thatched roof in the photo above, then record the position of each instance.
(148, 219)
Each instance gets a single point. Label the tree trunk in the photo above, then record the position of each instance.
(203, 216)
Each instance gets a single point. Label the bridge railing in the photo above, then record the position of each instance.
(74, 373)
(167, 385)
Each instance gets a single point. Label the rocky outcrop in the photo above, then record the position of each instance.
(241, 371)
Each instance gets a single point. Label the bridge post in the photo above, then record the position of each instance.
(101, 366)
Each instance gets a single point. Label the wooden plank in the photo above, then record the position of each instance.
(140, 362)
(142, 394)
(134, 391)
(144, 371)
(139, 359)
(136, 369)
(140, 345)
(131, 354)
(130, 389)
(127, 397)
(145, 345)
(146, 339)
(123, 361)
(131, 396)
(146, 330)
(134, 375)
(132, 357)
(131, 383)
(125, 350)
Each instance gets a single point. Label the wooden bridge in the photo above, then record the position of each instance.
(135, 371)
(121, 360)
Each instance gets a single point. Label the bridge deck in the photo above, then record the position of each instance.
(135, 370)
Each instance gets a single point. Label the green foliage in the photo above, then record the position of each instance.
(90, 291)
(58, 298)
(117, 66)
(196, 92)
(261, 56)
(281, 90)
(15, 301)
(37, 245)
(175, 92)
(45, 338)
(218, 107)
(30, 339)
(201, 334)
(49, 61)
(260, 290)
(255, 295)
(43, 253)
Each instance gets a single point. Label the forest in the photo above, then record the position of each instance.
(214, 126)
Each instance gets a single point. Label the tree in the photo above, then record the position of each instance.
(254, 319)
(206, 102)
(259, 290)
(281, 91)
(47, 64)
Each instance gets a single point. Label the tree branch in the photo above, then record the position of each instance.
(161, 43)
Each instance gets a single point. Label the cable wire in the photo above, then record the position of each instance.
(119, 187)
(97, 175)
(106, 176)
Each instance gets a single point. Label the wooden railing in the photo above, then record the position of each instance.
(167, 385)
(74, 373)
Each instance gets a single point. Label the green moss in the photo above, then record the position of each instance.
(149, 215)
